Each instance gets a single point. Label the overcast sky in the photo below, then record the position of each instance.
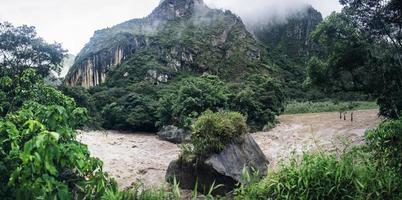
(72, 22)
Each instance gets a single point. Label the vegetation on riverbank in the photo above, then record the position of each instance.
(295, 107)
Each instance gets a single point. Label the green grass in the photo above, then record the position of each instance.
(295, 107)
(354, 175)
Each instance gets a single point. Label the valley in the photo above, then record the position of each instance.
(131, 157)
(190, 100)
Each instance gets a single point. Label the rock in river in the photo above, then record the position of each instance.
(223, 168)
(174, 134)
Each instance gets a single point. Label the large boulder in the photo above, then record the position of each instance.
(174, 134)
(224, 168)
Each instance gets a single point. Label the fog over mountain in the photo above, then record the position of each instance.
(73, 22)
(266, 11)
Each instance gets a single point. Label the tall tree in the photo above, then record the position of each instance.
(364, 52)
(21, 49)
(381, 20)
(25, 59)
(344, 66)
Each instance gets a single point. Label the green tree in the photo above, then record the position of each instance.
(260, 99)
(134, 112)
(21, 48)
(382, 19)
(194, 96)
(344, 67)
(357, 61)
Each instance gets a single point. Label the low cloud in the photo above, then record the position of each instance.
(257, 11)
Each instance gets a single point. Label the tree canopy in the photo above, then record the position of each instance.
(363, 53)
(22, 48)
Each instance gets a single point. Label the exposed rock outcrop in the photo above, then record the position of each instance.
(173, 9)
(223, 168)
(90, 68)
(174, 134)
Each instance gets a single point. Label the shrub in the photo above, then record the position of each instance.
(39, 154)
(42, 159)
(353, 175)
(213, 131)
(386, 143)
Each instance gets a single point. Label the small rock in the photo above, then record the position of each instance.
(174, 134)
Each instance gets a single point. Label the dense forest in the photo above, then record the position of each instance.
(205, 72)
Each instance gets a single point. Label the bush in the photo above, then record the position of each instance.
(213, 131)
(39, 154)
(325, 176)
(386, 143)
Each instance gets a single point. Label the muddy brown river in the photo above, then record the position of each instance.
(131, 157)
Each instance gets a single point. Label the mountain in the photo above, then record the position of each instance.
(291, 36)
(179, 36)
(290, 48)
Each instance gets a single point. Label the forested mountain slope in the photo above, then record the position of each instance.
(178, 36)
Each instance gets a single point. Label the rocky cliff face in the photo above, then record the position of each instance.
(179, 35)
(291, 36)
(91, 65)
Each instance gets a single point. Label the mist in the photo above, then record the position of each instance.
(265, 11)
(73, 22)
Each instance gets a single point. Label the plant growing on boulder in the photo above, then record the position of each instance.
(213, 131)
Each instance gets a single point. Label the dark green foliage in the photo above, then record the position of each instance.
(131, 112)
(150, 106)
(260, 100)
(103, 96)
(386, 143)
(380, 19)
(344, 66)
(363, 53)
(79, 94)
(137, 69)
(213, 131)
(27, 87)
(353, 175)
(193, 96)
